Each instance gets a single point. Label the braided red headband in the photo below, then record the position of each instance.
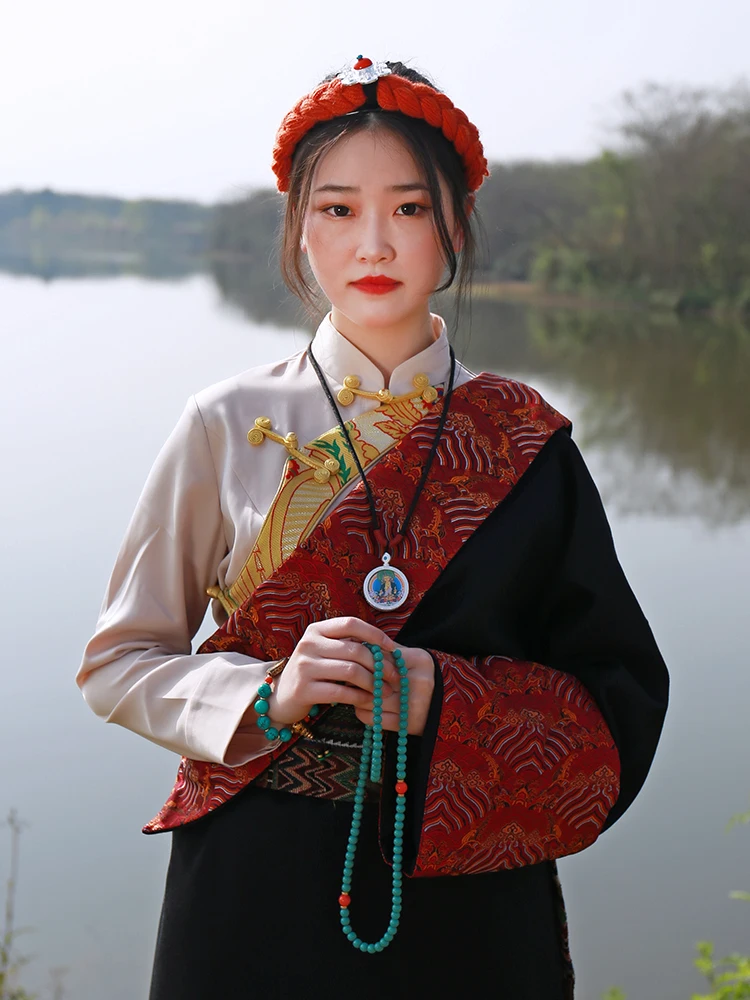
(346, 93)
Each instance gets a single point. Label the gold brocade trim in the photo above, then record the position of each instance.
(352, 384)
(302, 499)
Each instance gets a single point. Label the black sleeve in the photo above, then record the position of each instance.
(540, 580)
(589, 623)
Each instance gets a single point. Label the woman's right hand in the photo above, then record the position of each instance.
(329, 665)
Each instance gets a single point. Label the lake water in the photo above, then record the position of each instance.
(95, 372)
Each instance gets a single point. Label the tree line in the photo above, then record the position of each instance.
(50, 223)
(661, 214)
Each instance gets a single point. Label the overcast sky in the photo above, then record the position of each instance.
(179, 98)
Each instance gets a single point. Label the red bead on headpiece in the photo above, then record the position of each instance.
(345, 94)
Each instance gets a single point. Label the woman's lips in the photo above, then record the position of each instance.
(376, 286)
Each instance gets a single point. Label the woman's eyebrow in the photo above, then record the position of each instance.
(346, 189)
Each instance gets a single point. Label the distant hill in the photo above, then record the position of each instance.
(662, 217)
(50, 223)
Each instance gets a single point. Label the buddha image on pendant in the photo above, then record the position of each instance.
(386, 588)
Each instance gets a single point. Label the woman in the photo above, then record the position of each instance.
(392, 544)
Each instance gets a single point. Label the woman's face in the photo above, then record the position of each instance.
(370, 214)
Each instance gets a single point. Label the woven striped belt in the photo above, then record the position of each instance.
(326, 766)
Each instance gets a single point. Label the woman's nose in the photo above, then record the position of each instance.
(374, 244)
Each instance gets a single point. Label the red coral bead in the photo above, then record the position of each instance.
(344, 900)
(401, 787)
(269, 679)
(362, 63)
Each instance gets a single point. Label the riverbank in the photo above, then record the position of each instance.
(531, 293)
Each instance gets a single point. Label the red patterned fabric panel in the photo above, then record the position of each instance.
(494, 430)
(524, 768)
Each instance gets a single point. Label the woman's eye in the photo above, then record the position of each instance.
(409, 209)
(413, 208)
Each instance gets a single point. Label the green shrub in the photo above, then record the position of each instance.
(729, 977)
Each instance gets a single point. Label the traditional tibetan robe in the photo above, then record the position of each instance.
(550, 692)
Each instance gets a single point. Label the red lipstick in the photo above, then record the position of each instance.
(376, 284)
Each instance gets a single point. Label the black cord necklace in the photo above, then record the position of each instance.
(386, 587)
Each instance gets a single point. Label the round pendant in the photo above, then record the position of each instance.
(385, 587)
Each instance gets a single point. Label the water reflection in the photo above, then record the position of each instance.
(255, 289)
(156, 265)
(666, 401)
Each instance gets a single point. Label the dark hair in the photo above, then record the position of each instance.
(432, 152)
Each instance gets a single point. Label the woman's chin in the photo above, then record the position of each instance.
(377, 310)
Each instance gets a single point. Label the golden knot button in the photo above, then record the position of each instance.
(351, 382)
(321, 475)
(291, 440)
(420, 381)
(332, 465)
(264, 422)
(385, 395)
(255, 436)
(345, 397)
(430, 394)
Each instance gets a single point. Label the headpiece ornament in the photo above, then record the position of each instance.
(366, 84)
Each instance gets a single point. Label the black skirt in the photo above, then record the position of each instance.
(251, 911)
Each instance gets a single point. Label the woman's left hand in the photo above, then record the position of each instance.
(421, 670)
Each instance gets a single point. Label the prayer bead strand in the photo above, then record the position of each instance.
(370, 765)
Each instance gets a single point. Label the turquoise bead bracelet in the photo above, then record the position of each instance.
(371, 766)
(261, 706)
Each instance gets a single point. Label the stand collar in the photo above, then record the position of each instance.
(338, 358)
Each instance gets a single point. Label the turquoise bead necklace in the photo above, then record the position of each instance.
(371, 766)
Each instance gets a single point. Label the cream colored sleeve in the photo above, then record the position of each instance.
(138, 670)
